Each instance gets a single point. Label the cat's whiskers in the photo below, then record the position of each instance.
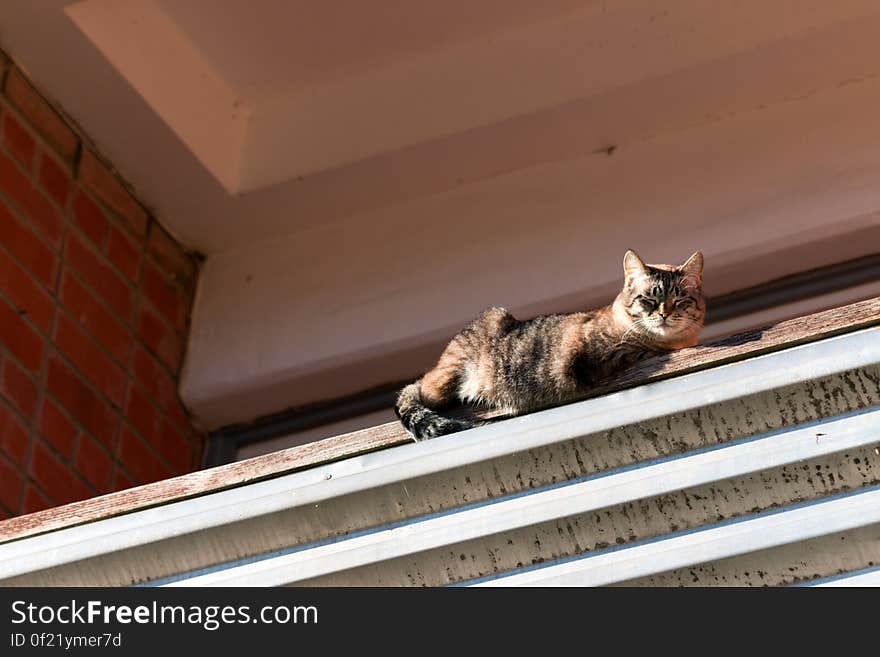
(637, 323)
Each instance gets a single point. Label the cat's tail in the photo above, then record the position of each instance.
(421, 421)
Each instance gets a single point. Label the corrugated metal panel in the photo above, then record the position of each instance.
(770, 529)
(667, 461)
(773, 449)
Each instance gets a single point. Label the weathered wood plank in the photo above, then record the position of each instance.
(745, 345)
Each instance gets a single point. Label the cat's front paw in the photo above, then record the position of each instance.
(440, 427)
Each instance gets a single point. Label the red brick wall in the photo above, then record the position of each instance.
(94, 309)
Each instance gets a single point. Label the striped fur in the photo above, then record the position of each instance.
(522, 365)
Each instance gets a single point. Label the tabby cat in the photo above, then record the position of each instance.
(518, 366)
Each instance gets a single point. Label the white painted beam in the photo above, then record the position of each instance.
(206, 113)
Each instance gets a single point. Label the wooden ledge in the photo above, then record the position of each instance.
(752, 343)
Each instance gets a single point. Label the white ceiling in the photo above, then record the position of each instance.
(267, 92)
(240, 120)
(266, 47)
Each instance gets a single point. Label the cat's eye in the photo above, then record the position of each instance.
(684, 303)
(647, 304)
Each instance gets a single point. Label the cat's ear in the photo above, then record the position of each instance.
(632, 264)
(694, 266)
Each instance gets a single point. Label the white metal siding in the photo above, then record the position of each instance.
(414, 514)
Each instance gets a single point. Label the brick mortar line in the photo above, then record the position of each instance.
(28, 124)
(137, 292)
(110, 215)
(139, 300)
(42, 187)
(54, 107)
(50, 292)
(36, 435)
(82, 142)
(19, 212)
(135, 287)
(10, 404)
(136, 307)
(147, 442)
(118, 411)
(182, 333)
(86, 240)
(41, 146)
(80, 429)
(93, 340)
(5, 67)
(50, 347)
(41, 379)
(34, 378)
(108, 453)
(42, 492)
(7, 107)
(66, 213)
(72, 469)
(128, 371)
(182, 337)
(121, 467)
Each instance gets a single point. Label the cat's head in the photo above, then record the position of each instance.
(662, 304)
